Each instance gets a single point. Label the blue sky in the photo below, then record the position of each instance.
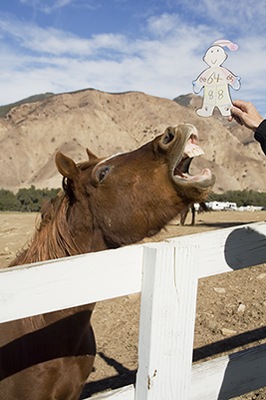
(153, 46)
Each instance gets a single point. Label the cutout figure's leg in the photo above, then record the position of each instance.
(208, 102)
(205, 111)
(223, 100)
(225, 110)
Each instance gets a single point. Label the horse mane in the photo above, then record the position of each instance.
(52, 238)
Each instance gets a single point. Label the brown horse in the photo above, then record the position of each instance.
(106, 203)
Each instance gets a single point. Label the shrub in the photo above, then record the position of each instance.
(241, 198)
(30, 199)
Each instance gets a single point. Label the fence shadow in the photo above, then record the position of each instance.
(221, 225)
(228, 344)
(124, 377)
(238, 370)
(243, 246)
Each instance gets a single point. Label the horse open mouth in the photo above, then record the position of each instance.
(191, 149)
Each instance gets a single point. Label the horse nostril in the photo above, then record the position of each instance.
(168, 137)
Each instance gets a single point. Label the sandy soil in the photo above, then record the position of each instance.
(228, 305)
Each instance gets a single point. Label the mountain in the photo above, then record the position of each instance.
(32, 99)
(32, 132)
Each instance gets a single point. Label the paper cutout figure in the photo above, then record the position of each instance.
(216, 80)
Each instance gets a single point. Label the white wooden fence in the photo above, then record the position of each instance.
(167, 274)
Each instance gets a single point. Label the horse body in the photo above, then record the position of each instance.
(106, 203)
(47, 356)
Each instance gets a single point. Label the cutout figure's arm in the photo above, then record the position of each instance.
(231, 79)
(199, 83)
(197, 86)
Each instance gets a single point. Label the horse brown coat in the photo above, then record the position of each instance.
(106, 203)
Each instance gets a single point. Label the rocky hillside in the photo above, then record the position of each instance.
(31, 134)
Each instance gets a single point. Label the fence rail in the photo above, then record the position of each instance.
(166, 273)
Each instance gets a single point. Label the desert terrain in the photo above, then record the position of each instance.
(32, 133)
(228, 305)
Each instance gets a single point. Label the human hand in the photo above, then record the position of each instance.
(245, 113)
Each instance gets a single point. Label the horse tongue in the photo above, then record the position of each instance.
(193, 150)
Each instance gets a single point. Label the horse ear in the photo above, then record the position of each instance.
(66, 166)
(91, 155)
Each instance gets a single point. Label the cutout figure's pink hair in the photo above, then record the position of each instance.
(226, 43)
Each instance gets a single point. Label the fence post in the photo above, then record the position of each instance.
(168, 306)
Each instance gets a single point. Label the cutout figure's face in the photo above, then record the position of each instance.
(215, 56)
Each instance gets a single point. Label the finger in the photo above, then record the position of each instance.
(240, 104)
(236, 115)
(238, 120)
(236, 111)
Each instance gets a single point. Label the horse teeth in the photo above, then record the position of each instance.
(195, 152)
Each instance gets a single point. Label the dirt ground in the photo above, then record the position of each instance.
(229, 305)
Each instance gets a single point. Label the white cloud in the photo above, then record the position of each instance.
(47, 6)
(163, 62)
(163, 25)
(51, 6)
(245, 16)
(58, 42)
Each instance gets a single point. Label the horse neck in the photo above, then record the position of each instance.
(52, 240)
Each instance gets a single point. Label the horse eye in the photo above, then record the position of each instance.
(102, 173)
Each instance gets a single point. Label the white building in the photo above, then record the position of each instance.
(221, 205)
